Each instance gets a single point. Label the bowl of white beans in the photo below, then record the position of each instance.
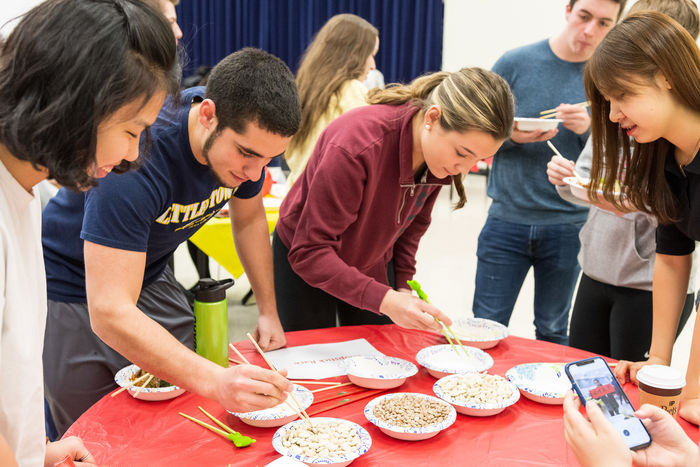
(327, 441)
(280, 414)
(410, 416)
(477, 394)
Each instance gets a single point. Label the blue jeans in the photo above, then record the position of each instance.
(506, 252)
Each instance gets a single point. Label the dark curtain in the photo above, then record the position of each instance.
(410, 31)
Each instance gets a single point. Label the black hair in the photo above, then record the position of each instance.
(70, 64)
(251, 85)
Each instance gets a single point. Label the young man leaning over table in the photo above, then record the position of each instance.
(528, 224)
(106, 250)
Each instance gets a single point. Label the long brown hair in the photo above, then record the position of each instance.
(633, 53)
(469, 99)
(338, 53)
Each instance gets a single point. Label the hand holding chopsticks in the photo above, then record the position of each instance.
(551, 113)
(300, 410)
(415, 286)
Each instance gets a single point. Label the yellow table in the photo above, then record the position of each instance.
(215, 239)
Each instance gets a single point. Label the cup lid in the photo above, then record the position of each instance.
(661, 376)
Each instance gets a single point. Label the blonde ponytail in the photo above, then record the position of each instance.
(469, 99)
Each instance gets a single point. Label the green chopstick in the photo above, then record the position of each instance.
(415, 286)
(239, 440)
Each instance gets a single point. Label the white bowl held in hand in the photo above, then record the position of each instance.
(537, 124)
(379, 372)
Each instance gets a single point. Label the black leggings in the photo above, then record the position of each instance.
(615, 321)
(301, 306)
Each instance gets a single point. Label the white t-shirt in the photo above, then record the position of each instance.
(22, 322)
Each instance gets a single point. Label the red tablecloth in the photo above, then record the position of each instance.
(126, 431)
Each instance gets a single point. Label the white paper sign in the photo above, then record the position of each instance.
(318, 361)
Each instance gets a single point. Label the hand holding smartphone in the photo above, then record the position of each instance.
(592, 379)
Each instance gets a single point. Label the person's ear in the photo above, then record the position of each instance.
(432, 115)
(665, 82)
(207, 114)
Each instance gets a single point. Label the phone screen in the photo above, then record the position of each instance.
(593, 380)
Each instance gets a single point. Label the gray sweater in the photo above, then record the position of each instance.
(616, 250)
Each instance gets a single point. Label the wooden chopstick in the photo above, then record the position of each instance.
(579, 104)
(237, 362)
(286, 401)
(323, 383)
(556, 151)
(349, 400)
(205, 425)
(140, 388)
(339, 385)
(240, 355)
(272, 367)
(133, 383)
(215, 420)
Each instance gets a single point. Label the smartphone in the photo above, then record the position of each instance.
(592, 379)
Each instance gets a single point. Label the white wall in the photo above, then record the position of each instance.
(478, 32)
(10, 9)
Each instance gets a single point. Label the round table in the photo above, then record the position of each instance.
(126, 431)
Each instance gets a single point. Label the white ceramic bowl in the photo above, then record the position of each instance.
(474, 409)
(124, 378)
(535, 124)
(339, 461)
(442, 360)
(541, 382)
(379, 372)
(479, 332)
(407, 433)
(279, 414)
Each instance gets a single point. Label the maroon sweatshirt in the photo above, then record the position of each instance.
(356, 206)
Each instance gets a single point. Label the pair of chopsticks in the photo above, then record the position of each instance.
(348, 400)
(298, 409)
(238, 439)
(551, 113)
(146, 376)
(579, 179)
(415, 286)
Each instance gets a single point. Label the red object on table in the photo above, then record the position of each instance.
(126, 431)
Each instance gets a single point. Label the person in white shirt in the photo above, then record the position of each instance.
(79, 81)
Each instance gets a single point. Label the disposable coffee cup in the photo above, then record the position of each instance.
(660, 385)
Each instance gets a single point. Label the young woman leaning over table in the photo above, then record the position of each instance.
(330, 81)
(349, 229)
(653, 97)
(79, 81)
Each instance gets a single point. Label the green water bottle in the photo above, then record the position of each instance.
(211, 320)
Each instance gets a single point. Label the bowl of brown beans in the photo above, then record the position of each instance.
(410, 416)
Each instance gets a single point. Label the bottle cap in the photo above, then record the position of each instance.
(211, 290)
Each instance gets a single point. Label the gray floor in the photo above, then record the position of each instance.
(446, 267)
